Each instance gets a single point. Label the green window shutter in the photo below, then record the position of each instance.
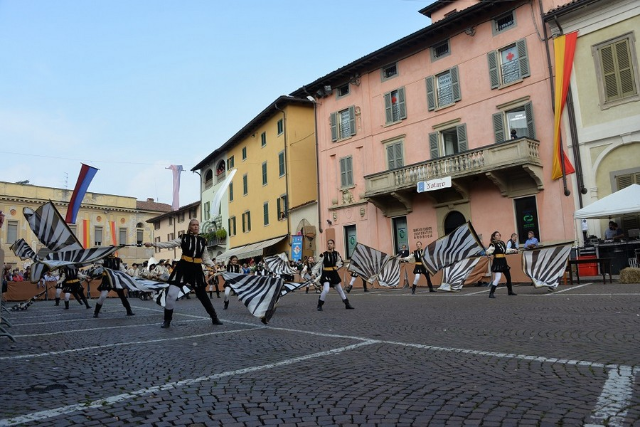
(398, 153)
(402, 106)
(286, 203)
(264, 173)
(279, 207)
(462, 138)
(343, 172)
(249, 221)
(390, 157)
(349, 171)
(433, 145)
(244, 222)
(266, 213)
(231, 192)
(431, 97)
(229, 225)
(388, 116)
(531, 128)
(523, 58)
(334, 128)
(455, 84)
(625, 69)
(352, 120)
(494, 75)
(498, 127)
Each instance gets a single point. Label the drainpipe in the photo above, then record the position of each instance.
(315, 124)
(286, 169)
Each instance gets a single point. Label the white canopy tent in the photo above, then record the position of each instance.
(625, 201)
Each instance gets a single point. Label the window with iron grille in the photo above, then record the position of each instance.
(509, 64)
(504, 22)
(443, 89)
(440, 50)
(389, 71)
(343, 124)
(395, 106)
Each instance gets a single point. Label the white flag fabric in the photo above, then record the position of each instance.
(546, 265)
(390, 274)
(461, 243)
(279, 265)
(50, 228)
(368, 262)
(214, 211)
(453, 276)
(258, 293)
(176, 169)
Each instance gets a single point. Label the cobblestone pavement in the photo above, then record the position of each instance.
(571, 357)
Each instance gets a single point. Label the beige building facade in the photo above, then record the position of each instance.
(103, 220)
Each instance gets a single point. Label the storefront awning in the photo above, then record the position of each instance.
(250, 250)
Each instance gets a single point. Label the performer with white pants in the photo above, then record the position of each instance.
(419, 269)
(188, 271)
(232, 267)
(331, 262)
(114, 263)
(498, 249)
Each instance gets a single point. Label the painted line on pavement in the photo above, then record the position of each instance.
(73, 331)
(611, 408)
(65, 410)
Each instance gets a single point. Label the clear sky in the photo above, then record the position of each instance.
(131, 87)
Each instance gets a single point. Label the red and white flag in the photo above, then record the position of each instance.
(176, 169)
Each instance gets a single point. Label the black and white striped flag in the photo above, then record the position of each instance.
(545, 265)
(368, 262)
(258, 293)
(461, 243)
(279, 265)
(293, 286)
(453, 276)
(390, 274)
(22, 249)
(50, 228)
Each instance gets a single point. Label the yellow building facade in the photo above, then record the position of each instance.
(103, 220)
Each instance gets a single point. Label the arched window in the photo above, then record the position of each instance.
(453, 220)
(208, 178)
(220, 168)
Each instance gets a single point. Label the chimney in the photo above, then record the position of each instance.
(150, 199)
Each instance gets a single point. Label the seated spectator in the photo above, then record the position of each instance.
(512, 243)
(531, 242)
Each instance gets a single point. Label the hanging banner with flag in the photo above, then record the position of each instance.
(565, 47)
(176, 169)
(112, 226)
(84, 179)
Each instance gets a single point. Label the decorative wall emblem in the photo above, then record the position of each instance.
(347, 197)
(122, 220)
(98, 218)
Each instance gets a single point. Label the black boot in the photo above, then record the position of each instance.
(307, 291)
(226, 304)
(320, 304)
(66, 305)
(96, 310)
(168, 315)
(429, 283)
(127, 306)
(493, 289)
(364, 285)
(57, 301)
(510, 289)
(347, 306)
(349, 287)
(211, 295)
(413, 289)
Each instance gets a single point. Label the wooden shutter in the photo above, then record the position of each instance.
(349, 165)
(431, 97)
(625, 69)
(352, 120)
(498, 127)
(462, 138)
(266, 213)
(244, 223)
(334, 129)
(391, 160)
(523, 58)
(398, 154)
(388, 114)
(343, 172)
(455, 84)
(531, 128)
(401, 104)
(433, 145)
(279, 207)
(494, 75)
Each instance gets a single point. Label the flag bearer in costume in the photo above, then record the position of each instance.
(331, 262)
(232, 267)
(70, 279)
(354, 276)
(188, 271)
(419, 268)
(114, 263)
(498, 249)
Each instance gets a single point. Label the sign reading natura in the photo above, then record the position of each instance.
(434, 184)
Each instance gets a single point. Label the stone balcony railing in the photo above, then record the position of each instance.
(491, 158)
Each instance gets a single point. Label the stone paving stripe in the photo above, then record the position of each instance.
(612, 404)
(65, 410)
(94, 347)
(73, 331)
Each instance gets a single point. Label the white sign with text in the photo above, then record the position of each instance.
(434, 184)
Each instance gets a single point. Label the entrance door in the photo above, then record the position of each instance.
(453, 220)
(350, 240)
(400, 234)
(526, 218)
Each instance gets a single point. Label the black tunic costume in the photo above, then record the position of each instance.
(499, 260)
(232, 268)
(330, 267)
(71, 283)
(419, 267)
(112, 263)
(188, 271)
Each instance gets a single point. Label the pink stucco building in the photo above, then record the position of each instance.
(440, 104)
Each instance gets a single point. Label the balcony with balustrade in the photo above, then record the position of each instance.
(513, 166)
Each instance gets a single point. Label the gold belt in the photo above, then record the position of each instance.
(191, 259)
(329, 269)
(73, 281)
(500, 255)
(418, 263)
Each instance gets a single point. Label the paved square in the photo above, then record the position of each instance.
(571, 357)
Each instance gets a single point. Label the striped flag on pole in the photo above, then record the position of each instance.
(84, 179)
